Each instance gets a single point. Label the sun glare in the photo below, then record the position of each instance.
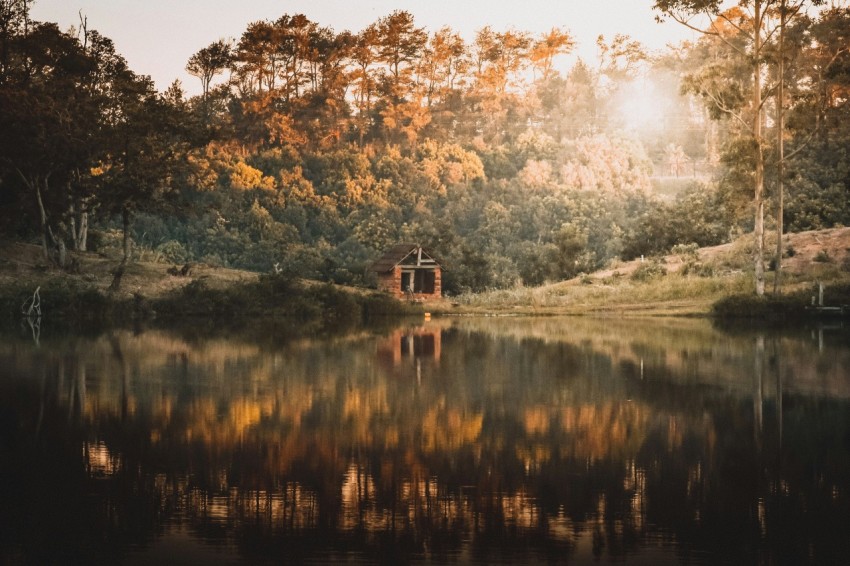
(640, 105)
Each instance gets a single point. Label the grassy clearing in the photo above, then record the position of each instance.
(688, 285)
(669, 294)
(663, 294)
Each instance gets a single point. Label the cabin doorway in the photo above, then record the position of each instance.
(418, 281)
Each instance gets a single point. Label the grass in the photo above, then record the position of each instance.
(670, 294)
(667, 294)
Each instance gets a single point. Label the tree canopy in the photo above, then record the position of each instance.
(313, 150)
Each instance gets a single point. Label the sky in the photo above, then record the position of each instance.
(157, 37)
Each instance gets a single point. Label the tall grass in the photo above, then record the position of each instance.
(693, 294)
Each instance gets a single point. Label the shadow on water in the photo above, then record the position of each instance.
(462, 440)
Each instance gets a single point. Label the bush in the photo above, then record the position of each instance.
(686, 252)
(822, 257)
(767, 308)
(697, 268)
(173, 251)
(647, 270)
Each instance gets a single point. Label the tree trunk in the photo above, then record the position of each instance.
(73, 220)
(61, 252)
(45, 247)
(79, 234)
(780, 126)
(758, 177)
(125, 218)
(83, 233)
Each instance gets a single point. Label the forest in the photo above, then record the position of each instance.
(311, 151)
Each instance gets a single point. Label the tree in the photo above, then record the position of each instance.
(54, 104)
(620, 59)
(499, 62)
(145, 146)
(548, 46)
(400, 45)
(14, 23)
(209, 62)
(364, 57)
(744, 31)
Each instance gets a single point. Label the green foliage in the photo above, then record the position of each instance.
(173, 251)
(278, 296)
(766, 308)
(686, 252)
(317, 166)
(697, 269)
(696, 217)
(649, 270)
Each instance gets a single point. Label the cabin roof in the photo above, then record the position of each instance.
(398, 254)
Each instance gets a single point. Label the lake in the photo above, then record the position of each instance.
(456, 440)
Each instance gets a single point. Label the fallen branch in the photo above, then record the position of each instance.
(32, 306)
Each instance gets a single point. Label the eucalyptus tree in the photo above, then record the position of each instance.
(744, 33)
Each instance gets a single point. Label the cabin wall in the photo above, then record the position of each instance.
(390, 282)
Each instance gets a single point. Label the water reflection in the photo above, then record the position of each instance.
(461, 440)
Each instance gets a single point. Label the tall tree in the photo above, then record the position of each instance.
(14, 21)
(500, 59)
(546, 48)
(209, 62)
(53, 110)
(400, 46)
(745, 30)
(364, 58)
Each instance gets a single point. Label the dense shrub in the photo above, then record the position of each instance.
(649, 269)
(769, 308)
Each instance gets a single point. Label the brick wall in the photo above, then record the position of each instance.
(391, 283)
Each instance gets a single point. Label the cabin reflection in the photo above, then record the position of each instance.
(410, 344)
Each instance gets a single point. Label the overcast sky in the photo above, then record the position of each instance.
(157, 37)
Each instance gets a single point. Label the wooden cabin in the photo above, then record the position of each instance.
(409, 271)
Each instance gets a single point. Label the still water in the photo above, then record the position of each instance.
(461, 440)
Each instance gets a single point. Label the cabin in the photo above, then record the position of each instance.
(409, 271)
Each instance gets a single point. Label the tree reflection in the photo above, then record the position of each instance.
(520, 441)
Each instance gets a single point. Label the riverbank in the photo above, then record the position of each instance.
(692, 282)
(148, 290)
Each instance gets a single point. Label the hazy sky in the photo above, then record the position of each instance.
(157, 37)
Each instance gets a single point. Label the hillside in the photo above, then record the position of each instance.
(800, 250)
(816, 255)
(712, 274)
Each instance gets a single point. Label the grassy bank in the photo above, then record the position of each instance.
(270, 297)
(726, 296)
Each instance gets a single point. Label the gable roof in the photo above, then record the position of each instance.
(398, 254)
